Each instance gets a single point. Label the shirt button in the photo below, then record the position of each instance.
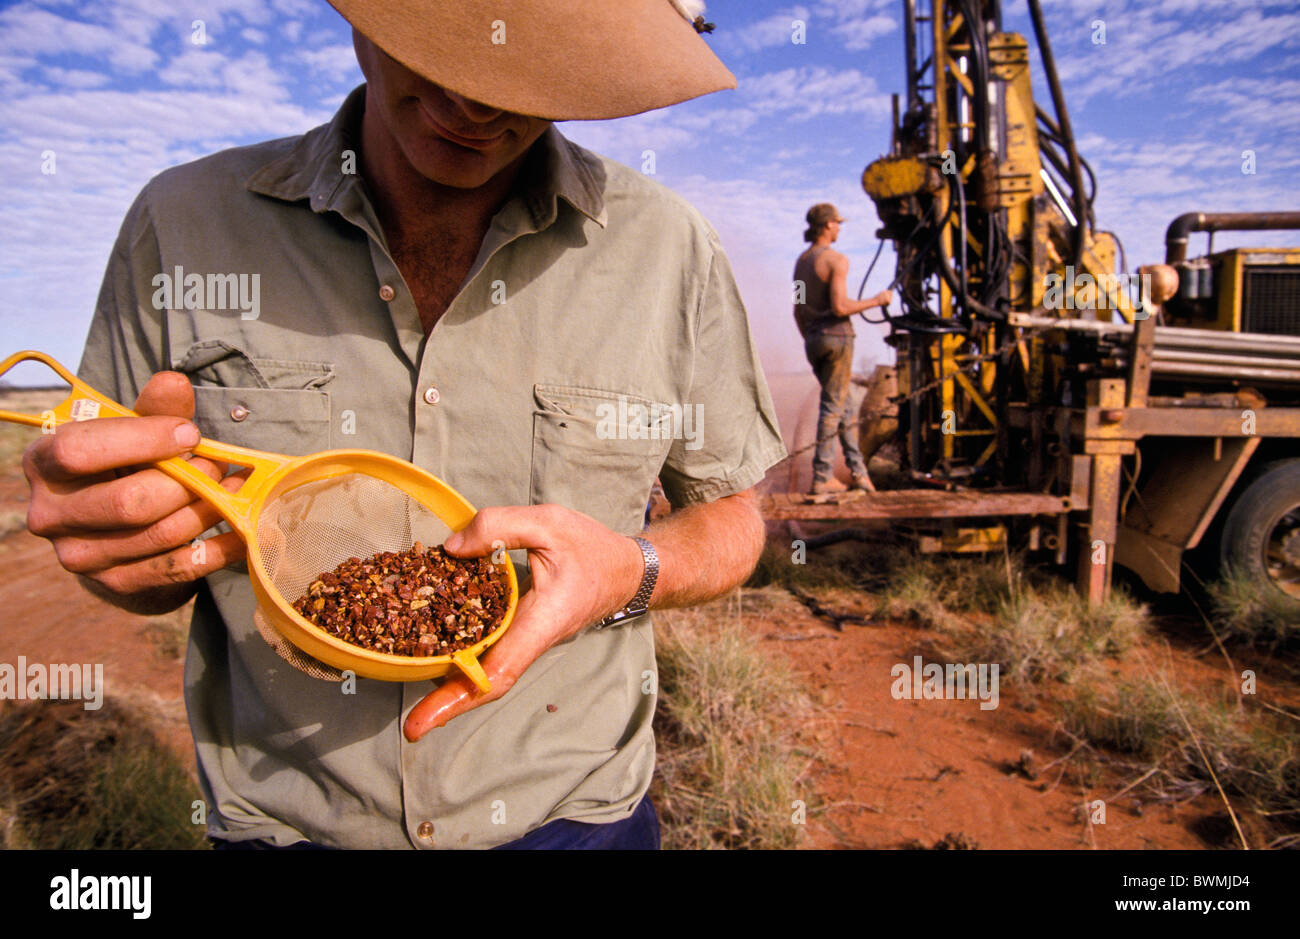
(238, 412)
(386, 292)
(431, 396)
(425, 831)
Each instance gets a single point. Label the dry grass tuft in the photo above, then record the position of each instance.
(995, 609)
(729, 768)
(777, 567)
(1249, 613)
(1172, 739)
(989, 608)
(77, 779)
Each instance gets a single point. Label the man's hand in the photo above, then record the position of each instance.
(123, 528)
(581, 571)
(884, 298)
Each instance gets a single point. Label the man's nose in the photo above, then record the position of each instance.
(476, 111)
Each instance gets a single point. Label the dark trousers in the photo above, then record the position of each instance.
(638, 832)
(832, 360)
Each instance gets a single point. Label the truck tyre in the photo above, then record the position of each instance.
(1261, 534)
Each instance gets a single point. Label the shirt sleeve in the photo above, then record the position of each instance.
(125, 344)
(735, 438)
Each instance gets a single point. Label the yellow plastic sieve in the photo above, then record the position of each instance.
(301, 516)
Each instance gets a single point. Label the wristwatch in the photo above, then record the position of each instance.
(639, 604)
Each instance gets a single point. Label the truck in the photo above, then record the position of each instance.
(1046, 395)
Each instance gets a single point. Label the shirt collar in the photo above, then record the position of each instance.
(312, 169)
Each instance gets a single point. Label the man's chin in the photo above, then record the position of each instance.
(454, 167)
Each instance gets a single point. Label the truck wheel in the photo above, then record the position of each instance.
(1261, 535)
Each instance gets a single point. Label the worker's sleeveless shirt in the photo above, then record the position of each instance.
(814, 316)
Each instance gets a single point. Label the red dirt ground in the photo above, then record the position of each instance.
(901, 772)
(897, 773)
(46, 616)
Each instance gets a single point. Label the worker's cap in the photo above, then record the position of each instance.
(824, 212)
(554, 59)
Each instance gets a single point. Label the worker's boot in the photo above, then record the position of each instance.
(863, 482)
(824, 487)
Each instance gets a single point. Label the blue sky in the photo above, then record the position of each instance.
(118, 90)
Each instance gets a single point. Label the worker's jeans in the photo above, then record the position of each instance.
(832, 360)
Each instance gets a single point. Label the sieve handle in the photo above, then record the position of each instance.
(82, 402)
(468, 664)
(85, 403)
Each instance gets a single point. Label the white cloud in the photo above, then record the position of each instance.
(858, 34)
(1251, 105)
(74, 77)
(810, 92)
(336, 62)
(249, 78)
(38, 31)
(196, 67)
(855, 22)
(1159, 43)
(762, 104)
(853, 9)
(771, 31)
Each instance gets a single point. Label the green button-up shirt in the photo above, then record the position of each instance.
(595, 290)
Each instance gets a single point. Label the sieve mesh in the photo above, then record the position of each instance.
(314, 527)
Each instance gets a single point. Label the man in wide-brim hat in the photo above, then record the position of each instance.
(446, 278)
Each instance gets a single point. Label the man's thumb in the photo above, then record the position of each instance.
(166, 393)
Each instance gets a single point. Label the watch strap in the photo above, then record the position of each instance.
(640, 602)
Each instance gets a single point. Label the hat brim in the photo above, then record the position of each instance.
(572, 60)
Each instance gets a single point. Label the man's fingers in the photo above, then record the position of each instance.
(512, 654)
(135, 501)
(166, 393)
(452, 698)
(510, 526)
(179, 566)
(84, 448)
(97, 551)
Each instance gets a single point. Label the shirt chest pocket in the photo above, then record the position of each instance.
(276, 405)
(277, 420)
(597, 452)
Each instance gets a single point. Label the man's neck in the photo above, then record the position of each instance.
(410, 205)
(823, 241)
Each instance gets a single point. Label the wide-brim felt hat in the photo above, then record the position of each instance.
(554, 59)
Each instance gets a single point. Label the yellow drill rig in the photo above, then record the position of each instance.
(1047, 393)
